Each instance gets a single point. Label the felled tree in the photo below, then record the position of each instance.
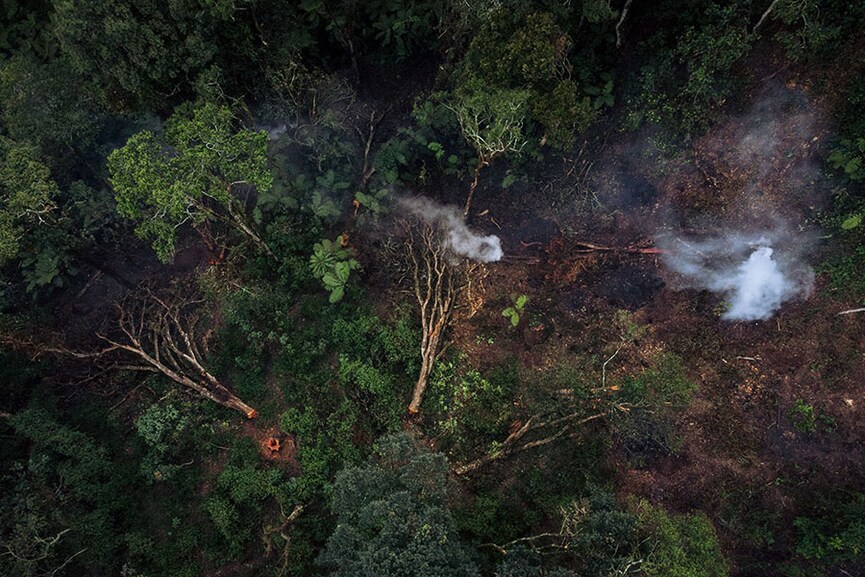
(435, 290)
(491, 120)
(392, 517)
(191, 172)
(163, 336)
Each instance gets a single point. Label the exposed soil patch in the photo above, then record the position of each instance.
(740, 448)
(628, 285)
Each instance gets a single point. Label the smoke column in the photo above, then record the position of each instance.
(460, 239)
(752, 276)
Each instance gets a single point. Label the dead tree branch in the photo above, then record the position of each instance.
(852, 311)
(153, 334)
(619, 39)
(552, 430)
(161, 336)
(281, 530)
(434, 289)
(764, 16)
(368, 168)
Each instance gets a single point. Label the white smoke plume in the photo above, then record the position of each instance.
(275, 132)
(755, 278)
(460, 238)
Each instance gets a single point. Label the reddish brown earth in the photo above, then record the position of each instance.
(740, 449)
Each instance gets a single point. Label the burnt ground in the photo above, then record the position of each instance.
(741, 452)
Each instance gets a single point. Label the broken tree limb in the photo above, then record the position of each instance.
(764, 16)
(622, 21)
(589, 247)
(852, 311)
(368, 169)
(511, 445)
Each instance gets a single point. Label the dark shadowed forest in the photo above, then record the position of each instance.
(439, 288)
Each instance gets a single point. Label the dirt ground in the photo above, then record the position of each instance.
(741, 451)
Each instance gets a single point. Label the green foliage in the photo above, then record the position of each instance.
(138, 53)
(690, 72)
(851, 222)
(514, 311)
(803, 417)
(601, 534)
(849, 156)
(837, 535)
(243, 488)
(325, 444)
(815, 30)
(491, 119)
(710, 52)
(399, 27)
(322, 206)
(434, 140)
(372, 201)
(162, 426)
(393, 517)
(387, 30)
(564, 112)
(27, 197)
(48, 106)
(508, 64)
(681, 545)
(90, 486)
(464, 404)
(654, 398)
(188, 174)
(332, 264)
(25, 29)
(376, 361)
(845, 264)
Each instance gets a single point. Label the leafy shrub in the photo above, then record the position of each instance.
(332, 264)
(604, 535)
(325, 444)
(525, 61)
(243, 488)
(803, 417)
(93, 489)
(681, 545)
(513, 312)
(691, 71)
(849, 156)
(654, 397)
(835, 534)
(464, 404)
(161, 427)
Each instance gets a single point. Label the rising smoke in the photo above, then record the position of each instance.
(460, 239)
(756, 274)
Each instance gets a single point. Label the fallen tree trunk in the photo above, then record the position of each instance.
(435, 294)
(588, 247)
(162, 337)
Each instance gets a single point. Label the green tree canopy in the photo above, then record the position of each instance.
(190, 172)
(27, 195)
(393, 519)
(529, 59)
